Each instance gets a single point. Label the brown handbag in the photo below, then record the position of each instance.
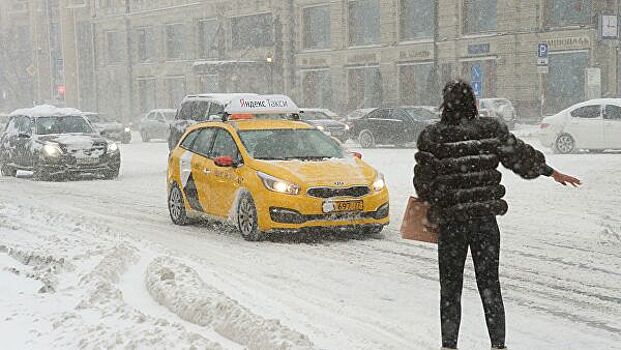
(415, 224)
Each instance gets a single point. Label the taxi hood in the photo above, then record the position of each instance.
(332, 172)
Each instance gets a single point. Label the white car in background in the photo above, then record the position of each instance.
(592, 125)
(499, 108)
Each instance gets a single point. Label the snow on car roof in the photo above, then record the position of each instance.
(320, 110)
(46, 111)
(223, 99)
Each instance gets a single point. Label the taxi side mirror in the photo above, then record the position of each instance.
(224, 161)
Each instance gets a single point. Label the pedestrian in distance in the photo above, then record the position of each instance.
(456, 174)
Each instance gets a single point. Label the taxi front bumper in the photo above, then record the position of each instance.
(280, 212)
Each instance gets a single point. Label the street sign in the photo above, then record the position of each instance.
(543, 50)
(31, 70)
(543, 61)
(477, 87)
(476, 73)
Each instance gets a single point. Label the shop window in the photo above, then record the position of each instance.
(417, 84)
(364, 87)
(317, 89)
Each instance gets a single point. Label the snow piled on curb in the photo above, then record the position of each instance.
(180, 289)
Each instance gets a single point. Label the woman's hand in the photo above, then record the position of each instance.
(564, 179)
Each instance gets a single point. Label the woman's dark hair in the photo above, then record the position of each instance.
(458, 102)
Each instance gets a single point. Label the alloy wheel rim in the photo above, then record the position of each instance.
(246, 218)
(175, 203)
(565, 144)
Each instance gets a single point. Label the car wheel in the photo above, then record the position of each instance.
(366, 139)
(7, 170)
(111, 174)
(145, 136)
(176, 206)
(247, 219)
(564, 144)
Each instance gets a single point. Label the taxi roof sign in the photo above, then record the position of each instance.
(262, 104)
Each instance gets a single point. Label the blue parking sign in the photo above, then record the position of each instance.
(543, 50)
(477, 87)
(476, 73)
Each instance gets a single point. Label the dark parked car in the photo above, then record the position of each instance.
(56, 143)
(391, 126)
(109, 128)
(198, 108)
(325, 120)
(156, 124)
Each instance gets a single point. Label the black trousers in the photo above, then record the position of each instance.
(483, 237)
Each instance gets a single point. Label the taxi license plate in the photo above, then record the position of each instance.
(87, 161)
(343, 206)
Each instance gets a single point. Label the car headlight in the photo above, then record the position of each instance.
(52, 150)
(346, 127)
(113, 147)
(278, 185)
(127, 129)
(319, 127)
(379, 182)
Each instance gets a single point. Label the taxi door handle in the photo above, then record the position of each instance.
(206, 171)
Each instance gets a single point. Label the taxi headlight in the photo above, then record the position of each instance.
(113, 147)
(379, 182)
(52, 150)
(278, 185)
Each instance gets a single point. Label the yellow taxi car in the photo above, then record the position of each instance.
(270, 174)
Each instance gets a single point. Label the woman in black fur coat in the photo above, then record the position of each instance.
(456, 174)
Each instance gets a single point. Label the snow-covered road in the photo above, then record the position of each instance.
(121, 274)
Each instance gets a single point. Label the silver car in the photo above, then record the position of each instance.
(156, 124)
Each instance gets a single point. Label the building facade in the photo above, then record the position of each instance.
(125, 57)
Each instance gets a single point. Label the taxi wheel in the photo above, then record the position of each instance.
(176, 206)
(366, 139)
(247, 219)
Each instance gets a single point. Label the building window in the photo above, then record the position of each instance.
(364, 87)
(316, 27)
(175, 91)
(479, 16)
(563, 13)
(146, 94)
(565, 81)
(208, 38)
(417, 84)
(253, 31)
(418, 18)
(115, 48)
(175, 41)
(364, 22)
(317, 88)
(209, 83)
(146, 44)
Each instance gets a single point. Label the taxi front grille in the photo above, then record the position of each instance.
(330, 192)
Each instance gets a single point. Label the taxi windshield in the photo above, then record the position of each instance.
(62, 125)
(290, 144)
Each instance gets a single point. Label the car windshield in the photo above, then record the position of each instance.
(422, 113)
(62, 125)
(288, 144)
(169, 115)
